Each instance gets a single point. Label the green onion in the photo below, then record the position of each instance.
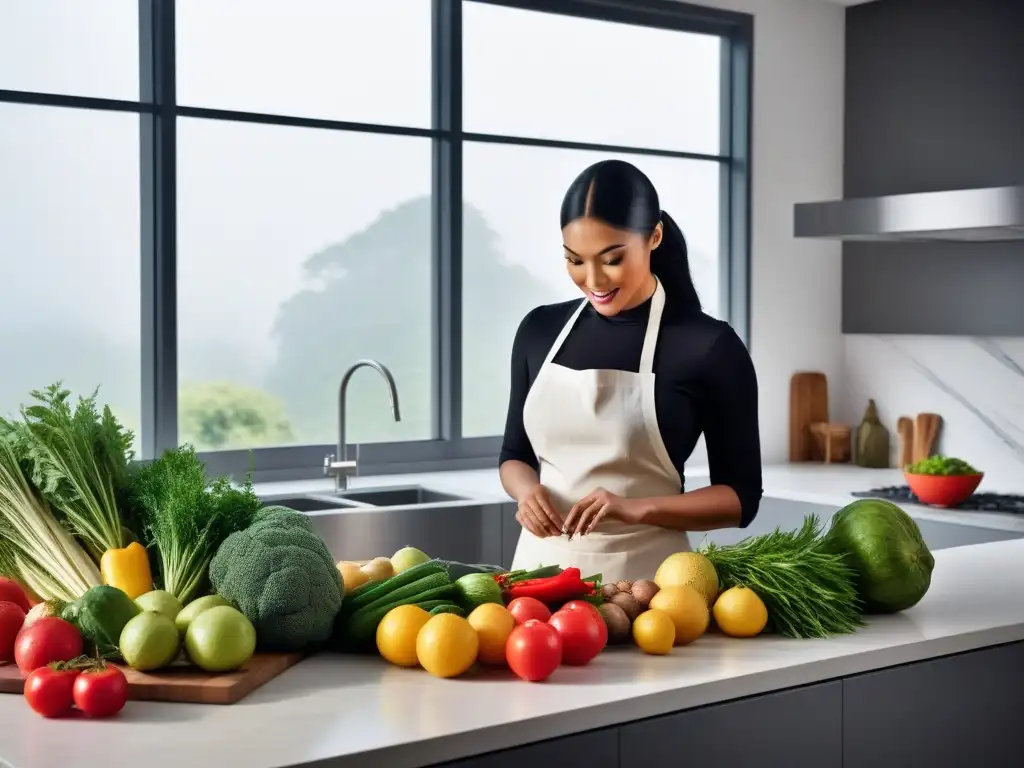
(78, 459)
(808, 592)
(34, 547)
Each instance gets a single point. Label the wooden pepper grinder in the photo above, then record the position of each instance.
(872, 440)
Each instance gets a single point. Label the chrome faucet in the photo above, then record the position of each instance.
(337, 465)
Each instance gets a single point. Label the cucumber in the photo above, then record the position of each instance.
(361, 626)
(371, 593)
(450, 608)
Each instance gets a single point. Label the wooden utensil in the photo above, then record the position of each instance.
(832, 442)
(185, 683)
(905, 429)
(926, 432)
(808, 404)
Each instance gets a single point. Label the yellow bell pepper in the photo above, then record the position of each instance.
(127, 569)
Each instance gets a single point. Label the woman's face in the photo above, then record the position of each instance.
(611, 266)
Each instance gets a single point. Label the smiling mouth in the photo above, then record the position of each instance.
(603, 297)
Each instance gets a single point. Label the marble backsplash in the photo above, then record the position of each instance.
(975, 384)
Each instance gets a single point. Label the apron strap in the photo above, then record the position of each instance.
(566, 329)
(653, 326)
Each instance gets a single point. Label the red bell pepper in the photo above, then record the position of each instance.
(553, 590)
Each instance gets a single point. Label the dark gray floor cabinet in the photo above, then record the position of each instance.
(949, 712)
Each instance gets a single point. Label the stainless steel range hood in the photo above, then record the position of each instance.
(966, 215)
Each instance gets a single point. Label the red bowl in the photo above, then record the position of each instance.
(943, 490)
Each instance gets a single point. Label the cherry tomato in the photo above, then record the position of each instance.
(49, 691)
(583, 632)
(49, 639)
(525, 608)
(101, 692)
(12, 592)
(11, 620)
(534, 650)
(583, 605)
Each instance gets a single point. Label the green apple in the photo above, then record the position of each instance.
(188, 614)
(220, 639)
(406, 558)
(149, 641)
(161, 601)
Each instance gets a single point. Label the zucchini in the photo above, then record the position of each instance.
(362, 625)
(429, 605)
(414, 590)
(450, 608)
(371, 593)
(457, 570)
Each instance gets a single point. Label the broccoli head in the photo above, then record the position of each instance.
(280, 574)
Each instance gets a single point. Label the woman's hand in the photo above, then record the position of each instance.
(596, 506)
(537, 514)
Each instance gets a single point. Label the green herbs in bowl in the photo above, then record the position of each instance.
(945, 466)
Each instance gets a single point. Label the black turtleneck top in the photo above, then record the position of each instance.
(704, 382)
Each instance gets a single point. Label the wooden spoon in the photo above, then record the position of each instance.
(926, 432)
(905, 429)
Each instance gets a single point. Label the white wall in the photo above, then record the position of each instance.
(797, 157)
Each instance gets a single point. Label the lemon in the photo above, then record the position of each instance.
(654, 632)
(447, 645)
(739, 612)
(687, 609)
(396, 634)
(493, 624)
(692, 569)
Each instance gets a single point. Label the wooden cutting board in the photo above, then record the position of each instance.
(808, 404)
(184, 683)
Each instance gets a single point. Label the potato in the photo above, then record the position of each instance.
(608, 591)
(624, 586)
(378, 569)
(352, 575)
(628, 604)
(617, 622)
(643, 591)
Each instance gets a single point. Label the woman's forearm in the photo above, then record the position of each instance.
(517, 478)
(705, 509)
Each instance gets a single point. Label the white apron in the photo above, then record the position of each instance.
(598, 428)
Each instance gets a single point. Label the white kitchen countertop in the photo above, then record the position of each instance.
(362, 712)
(828, 484)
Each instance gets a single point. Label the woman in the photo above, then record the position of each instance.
(609, 395)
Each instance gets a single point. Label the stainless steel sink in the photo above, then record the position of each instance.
(307, 503)
(397, 496)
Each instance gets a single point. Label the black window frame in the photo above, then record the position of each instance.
(158, 110)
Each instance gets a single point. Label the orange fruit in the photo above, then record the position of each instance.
(739, 612)
(493, 624)
(688, 610)
(447, 645)
(654, 632)
(397, 633)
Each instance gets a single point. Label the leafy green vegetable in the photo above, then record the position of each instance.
(808, 591)
(78, 460)
(941, 465)
(34, 547)
(185, 516)
(280, 574)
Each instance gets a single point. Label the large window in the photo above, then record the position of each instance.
(212, 209)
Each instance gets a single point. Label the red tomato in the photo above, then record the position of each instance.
(49, 639)
(49, 691)
(12, 592)
(583, 605)
(11, 620)
(534, 650)
(583, 633)
(101, 692)
(525, 608)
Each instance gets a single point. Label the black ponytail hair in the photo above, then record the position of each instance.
(620, 194)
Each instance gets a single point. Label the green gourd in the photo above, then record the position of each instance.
(872, 440)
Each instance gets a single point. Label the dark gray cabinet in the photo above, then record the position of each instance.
(790, 729)
(948, 712)
(596, 749)
(954, 711)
